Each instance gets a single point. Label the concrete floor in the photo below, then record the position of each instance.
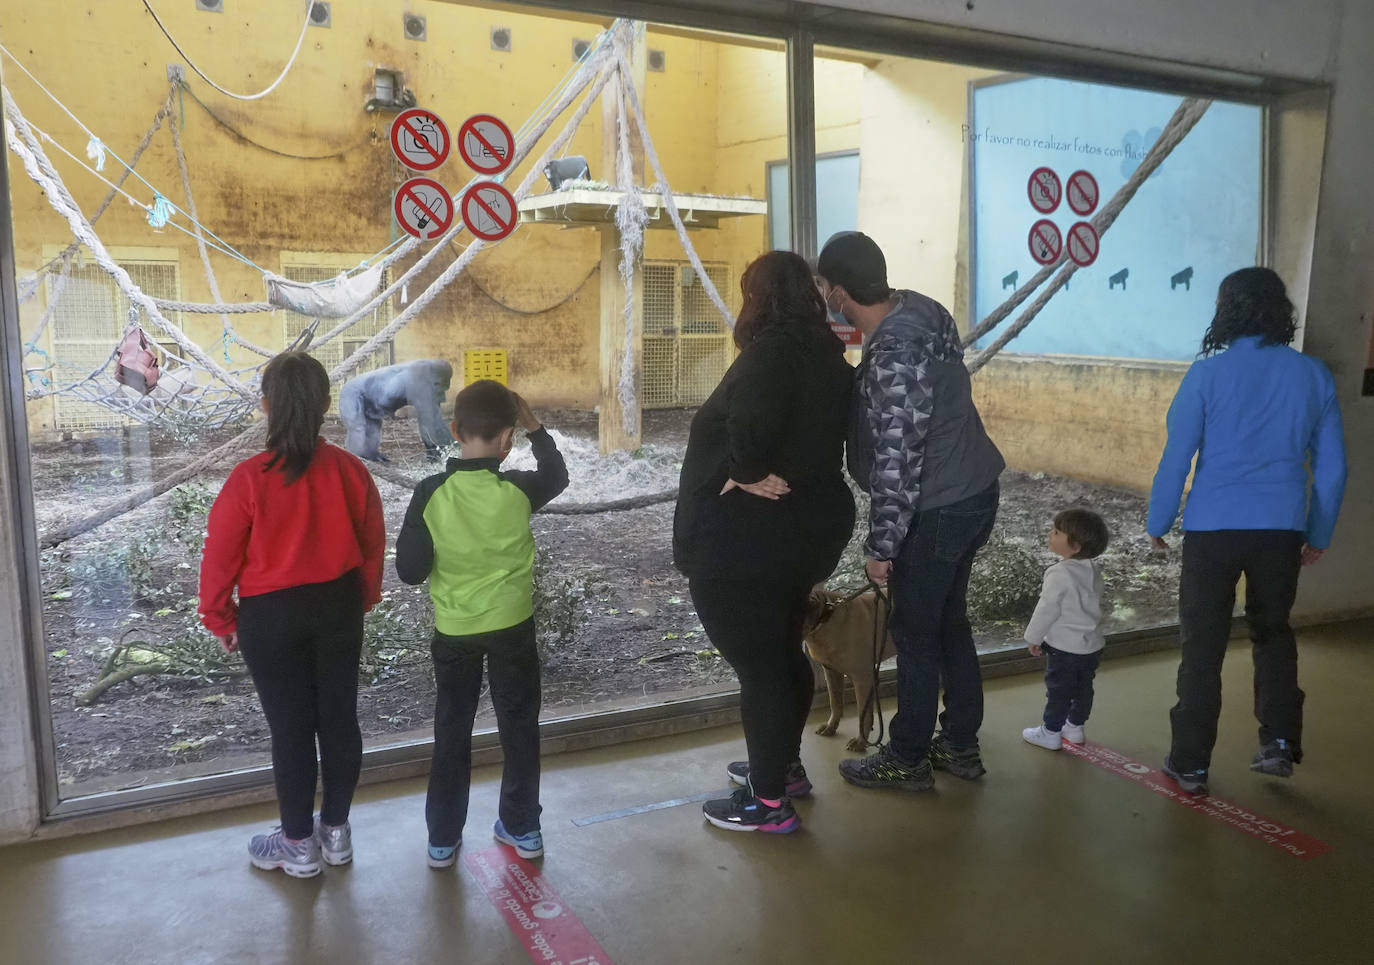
(1048, 859)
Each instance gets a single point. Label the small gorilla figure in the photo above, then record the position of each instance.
(373, 396)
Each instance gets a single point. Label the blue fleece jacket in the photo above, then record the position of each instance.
(1257, 416)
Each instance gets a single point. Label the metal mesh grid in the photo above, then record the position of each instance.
(87, 323)
(686, 344)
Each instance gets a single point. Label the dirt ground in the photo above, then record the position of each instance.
(622, 629)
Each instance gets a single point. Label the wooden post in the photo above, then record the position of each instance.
(611, 431)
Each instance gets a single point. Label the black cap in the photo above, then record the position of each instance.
(853, 261)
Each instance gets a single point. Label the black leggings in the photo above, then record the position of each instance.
(302, 646)
(757, 627)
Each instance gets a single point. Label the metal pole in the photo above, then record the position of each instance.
(801, 141)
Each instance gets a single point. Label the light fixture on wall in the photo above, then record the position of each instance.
(210, 6)
(319, 14)
(567, 169)
(389, 92)
(657, 61)
(416, 27)
(580, 48)
(500, 39)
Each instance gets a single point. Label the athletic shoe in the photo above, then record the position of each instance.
(742, 811)
(1275, 759)
(443, 857)
(885, 770)
(299, 859)
(1074, 734)
(1190, 782)
(797, 783)
(964, 762)
(336, 844)
(526, 845)
(1051, 740)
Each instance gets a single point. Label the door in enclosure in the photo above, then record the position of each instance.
(687, 347)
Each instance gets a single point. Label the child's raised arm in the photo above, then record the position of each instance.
(550, 477)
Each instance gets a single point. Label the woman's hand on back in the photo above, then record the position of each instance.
(1311, 555)
(769, 487)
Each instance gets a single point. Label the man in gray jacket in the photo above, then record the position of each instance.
(918, 446)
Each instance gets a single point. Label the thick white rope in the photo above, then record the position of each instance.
(1189, 112)
(22, 141)
(215, 308)
(300, 41)
(668, 202)
(350, 364)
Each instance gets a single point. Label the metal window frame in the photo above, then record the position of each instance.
(795, 24)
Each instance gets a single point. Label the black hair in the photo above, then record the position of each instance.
(779, 288)
(295, 387)
(483, 410)
(1084, 529)
(1251, 301)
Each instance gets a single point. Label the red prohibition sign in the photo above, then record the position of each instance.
(489, 211)
(1082, 193)
(486, 144)
(1044, 190)
(420, 140)
(423, 208)
(1083, 244)
(1045, 242)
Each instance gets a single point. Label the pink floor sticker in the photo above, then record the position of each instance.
(539, 919)
(1286, 839)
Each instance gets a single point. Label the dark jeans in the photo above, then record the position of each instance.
(1069, 687)
(1212, 564)
(929, 587)
(302, 645)
(757, 627)
(513, 669)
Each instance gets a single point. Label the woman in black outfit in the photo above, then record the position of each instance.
(763, 514)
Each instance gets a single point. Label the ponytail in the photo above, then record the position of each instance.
(295, 390)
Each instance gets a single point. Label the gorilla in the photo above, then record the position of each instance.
(365, 401)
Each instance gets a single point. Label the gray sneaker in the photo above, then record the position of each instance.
(299, 859)
(336, 844)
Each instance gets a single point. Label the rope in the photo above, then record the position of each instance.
(243, 97)
(370, 138)
(472, 278)
(630, 221)
(209, 308)
(1185, 118)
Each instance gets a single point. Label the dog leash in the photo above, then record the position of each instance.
(880, 629)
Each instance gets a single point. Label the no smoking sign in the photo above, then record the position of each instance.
(423, 208)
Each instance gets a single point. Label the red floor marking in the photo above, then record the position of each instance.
(1286, 839)
(541, 920)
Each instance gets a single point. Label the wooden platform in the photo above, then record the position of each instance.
(597, 206)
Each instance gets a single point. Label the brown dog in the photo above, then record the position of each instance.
(839, 636)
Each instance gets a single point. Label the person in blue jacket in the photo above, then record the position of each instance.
(1259, 415)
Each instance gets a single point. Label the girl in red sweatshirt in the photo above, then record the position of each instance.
(298, 530)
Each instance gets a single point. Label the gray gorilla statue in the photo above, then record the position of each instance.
(373, 396)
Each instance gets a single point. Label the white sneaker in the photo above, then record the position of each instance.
(1051, 740)
(1073, 733)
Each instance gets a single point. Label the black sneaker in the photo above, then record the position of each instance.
(885, 770)
(797, 783)
(963, 762)
(742, 811)
(1275, 759)
(1190, 782)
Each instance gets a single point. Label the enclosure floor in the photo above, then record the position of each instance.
(1047, 859)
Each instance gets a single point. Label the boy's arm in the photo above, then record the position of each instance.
(542, 484)
(415, 544)
(1047, 609)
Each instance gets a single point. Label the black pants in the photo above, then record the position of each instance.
(1069, 686)
(1212, 564)
(757, 627)
(929, 587)
(302, 646)
(513, 669)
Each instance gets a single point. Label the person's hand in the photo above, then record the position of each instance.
(525, 415)
(230, 642)
(1035, 650)
(1158, 545)
(878, 571)
(1311, 554)
(769, 487)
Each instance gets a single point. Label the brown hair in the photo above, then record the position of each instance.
(778, 289)
(483, 410)
(1085, 529)
(295, 387)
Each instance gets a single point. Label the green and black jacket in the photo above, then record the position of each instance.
(467, 531)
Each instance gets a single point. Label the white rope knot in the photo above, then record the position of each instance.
(95, 150)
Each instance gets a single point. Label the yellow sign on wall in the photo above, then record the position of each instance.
(484, 364)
